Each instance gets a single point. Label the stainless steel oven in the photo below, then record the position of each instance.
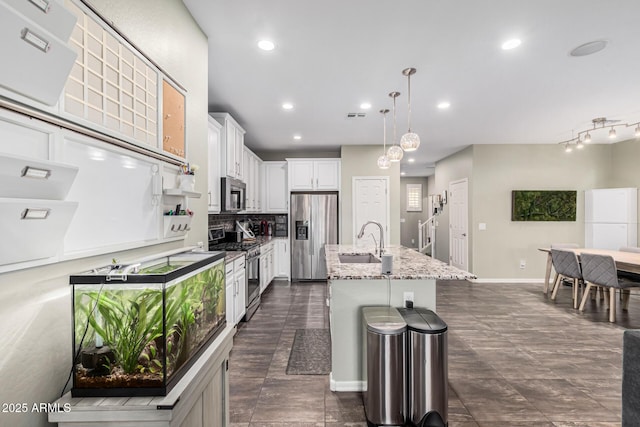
(232, 195)
(253, 281)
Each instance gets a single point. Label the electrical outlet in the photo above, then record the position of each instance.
(407, 296)
(523, 263)
(413, 241)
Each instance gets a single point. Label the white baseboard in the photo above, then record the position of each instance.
(518, 281)
(345, 385)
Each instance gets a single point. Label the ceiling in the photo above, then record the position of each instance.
(332, 55)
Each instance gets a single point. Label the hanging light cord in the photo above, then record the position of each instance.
(409, 102)
(394, 120)
(384, 130)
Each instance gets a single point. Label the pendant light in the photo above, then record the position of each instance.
(395, 153)
(383, 161)
(410, 141)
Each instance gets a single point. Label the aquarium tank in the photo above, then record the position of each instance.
(139, 327)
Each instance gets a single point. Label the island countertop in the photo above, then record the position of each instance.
(407, 264)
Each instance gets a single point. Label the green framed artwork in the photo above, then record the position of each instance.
(541, 205)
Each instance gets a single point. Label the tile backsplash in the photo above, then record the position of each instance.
(229, 220)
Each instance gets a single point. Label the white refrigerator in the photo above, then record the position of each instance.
(611, 218)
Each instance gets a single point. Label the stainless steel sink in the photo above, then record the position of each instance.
(358, 259)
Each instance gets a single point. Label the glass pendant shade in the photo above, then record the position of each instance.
(395, 153)
(383, 162)
(410, 141)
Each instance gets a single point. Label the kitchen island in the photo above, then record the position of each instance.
(353, 285)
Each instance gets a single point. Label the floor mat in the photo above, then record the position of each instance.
(310, 353)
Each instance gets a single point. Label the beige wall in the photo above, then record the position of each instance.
(409, 228)
(35, 304)
(496, 170)
(361, 160)
(625, 171)
(453, 168)
(499, 169)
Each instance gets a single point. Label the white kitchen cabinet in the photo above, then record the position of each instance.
(230, 295)
(282, 259)
(241, 291)
(231, 146)
(36, 61)
(213, 142)
(266, 265)
(235, 277)
(275, 195)
(314, 174)
(257, 182)
(252, 174)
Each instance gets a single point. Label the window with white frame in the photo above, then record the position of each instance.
(414, 197)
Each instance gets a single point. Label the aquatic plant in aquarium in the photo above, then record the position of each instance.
(137, 328)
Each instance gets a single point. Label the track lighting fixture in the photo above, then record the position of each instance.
(598, 123)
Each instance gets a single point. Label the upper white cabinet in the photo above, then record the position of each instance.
(252, 178)
(314, 174)
(37, 58)
(274, 191)
(213, 142)
(231, 147)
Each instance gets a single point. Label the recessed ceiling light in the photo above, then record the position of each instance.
(365, 106)
(511, 44)
(403, 173)
(444, 105)
(266, 45)
(297, 137)
(411, 160)
(287, 106)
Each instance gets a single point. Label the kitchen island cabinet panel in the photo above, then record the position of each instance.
(356, 285)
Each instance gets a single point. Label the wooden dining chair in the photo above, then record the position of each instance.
(600, 270)
(559, 246)
(566, 264)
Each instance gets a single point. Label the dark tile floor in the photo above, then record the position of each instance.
(515, 359)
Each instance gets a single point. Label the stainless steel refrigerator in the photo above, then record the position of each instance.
(314, 223)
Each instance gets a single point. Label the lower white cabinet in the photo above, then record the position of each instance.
(282, 258)
(266, 265)
(236, 277)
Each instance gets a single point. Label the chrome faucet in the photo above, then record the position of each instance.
(381, 249)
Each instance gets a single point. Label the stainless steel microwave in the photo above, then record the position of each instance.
(233, 193)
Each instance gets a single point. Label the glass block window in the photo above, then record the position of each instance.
(414, 197)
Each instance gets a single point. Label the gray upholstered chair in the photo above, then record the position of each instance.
(560, 246)
(624, 296)
(600, 270)
(566, 264)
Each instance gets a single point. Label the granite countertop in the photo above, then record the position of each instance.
(233, 255)
(407, 264)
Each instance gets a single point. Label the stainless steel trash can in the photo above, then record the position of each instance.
(427, 368)
(384, 365)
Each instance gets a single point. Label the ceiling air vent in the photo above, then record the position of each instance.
(356, 115)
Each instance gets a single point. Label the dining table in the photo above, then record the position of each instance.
(628, 262)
